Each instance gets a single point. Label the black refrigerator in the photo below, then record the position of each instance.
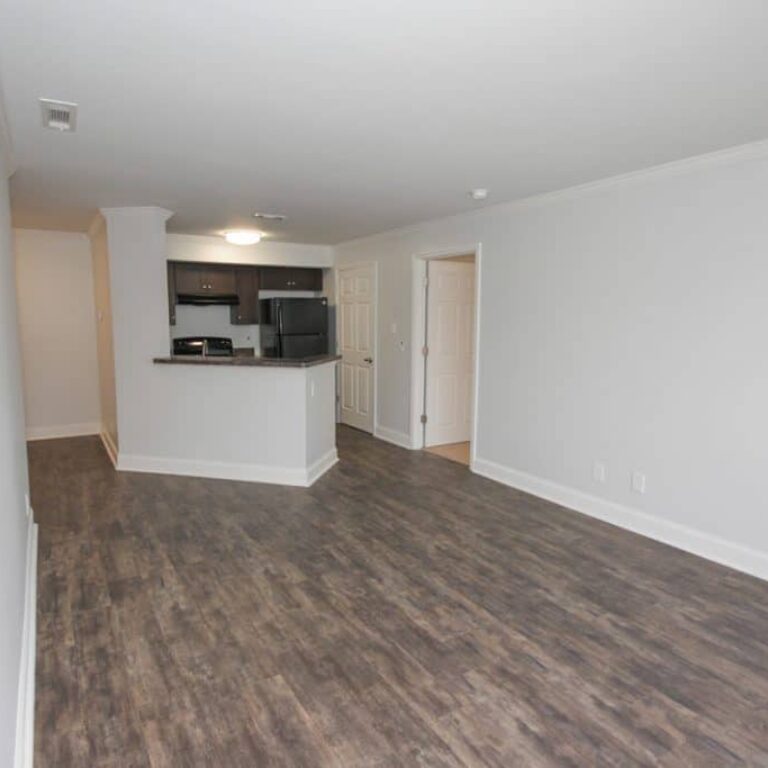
(293, 328)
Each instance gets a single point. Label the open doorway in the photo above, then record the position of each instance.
(447, 329)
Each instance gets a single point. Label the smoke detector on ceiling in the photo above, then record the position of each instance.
(58, 115)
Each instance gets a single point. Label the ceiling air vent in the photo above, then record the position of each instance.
(269, 216)
(59, 115)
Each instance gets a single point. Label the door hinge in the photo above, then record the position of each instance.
(423, 418)
(425, 351)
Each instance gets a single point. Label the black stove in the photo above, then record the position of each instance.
(206, 346)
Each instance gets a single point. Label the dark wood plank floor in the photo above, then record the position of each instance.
(402, 612)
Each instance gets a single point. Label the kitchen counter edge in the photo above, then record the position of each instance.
(248, 362)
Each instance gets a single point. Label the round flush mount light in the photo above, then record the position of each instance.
(479, 194)
(242, 237)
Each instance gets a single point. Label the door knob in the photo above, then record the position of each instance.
(367, 359)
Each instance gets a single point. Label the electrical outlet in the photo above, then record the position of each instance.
(638, 482)
(311, 388)
(599, 472)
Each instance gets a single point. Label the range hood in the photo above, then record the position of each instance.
(208, 299)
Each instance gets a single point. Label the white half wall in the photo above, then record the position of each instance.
(16, 647)
(57, 323)
(624, 322)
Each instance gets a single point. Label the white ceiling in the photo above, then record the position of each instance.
(357, 116)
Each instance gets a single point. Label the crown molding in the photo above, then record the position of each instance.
(109, 213)
(743, 152)
(7, 159)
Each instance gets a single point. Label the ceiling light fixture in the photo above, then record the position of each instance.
(479, 194)
(242, 237)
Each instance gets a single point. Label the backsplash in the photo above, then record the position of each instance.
(213, 321)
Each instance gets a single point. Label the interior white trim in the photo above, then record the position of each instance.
(254, 473)
(337, 300)
(739, 153)
(688, 539)
(109, 446)
(321, 466)
(63, 430)
(418, 323)
(393, 436)
(25, 713)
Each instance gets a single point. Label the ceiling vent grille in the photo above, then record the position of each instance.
(58, 115)
(269, 216)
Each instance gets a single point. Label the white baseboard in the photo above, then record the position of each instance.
(697, 542)
(63, 430)
(254, 473)
(109, 446)
(321, 466)
(25, 713)
(393, 436)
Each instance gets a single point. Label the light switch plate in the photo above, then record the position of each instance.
(599, 472)
(638, 482)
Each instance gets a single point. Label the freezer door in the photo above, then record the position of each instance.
(301, 316)
(303, 346)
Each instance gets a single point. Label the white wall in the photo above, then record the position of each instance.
(57, 323)
(14, 525)
(213, 249)
(626, 321)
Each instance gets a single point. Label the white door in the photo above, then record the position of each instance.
(450, 335)
(357, 308)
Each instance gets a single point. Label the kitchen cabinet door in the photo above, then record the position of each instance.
(291, 279)
(219, 279)
(307, 279)
(247, 289)
(189, 278)
(172, 293)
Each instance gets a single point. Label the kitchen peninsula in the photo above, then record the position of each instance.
(241, 417)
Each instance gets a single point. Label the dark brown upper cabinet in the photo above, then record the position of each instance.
(247, 289)
(204, 278)
(172, 293)
(291, 279)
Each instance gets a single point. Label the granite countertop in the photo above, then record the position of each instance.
(248, 361)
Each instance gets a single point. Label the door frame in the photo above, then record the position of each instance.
(418, 337)
(375, 331)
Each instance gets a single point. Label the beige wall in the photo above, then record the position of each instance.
(58, 333)
(104, 339)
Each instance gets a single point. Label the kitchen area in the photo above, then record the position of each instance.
(224, 356)
(248, 314)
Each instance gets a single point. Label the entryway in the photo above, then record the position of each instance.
(447, 328)
(357, 339)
